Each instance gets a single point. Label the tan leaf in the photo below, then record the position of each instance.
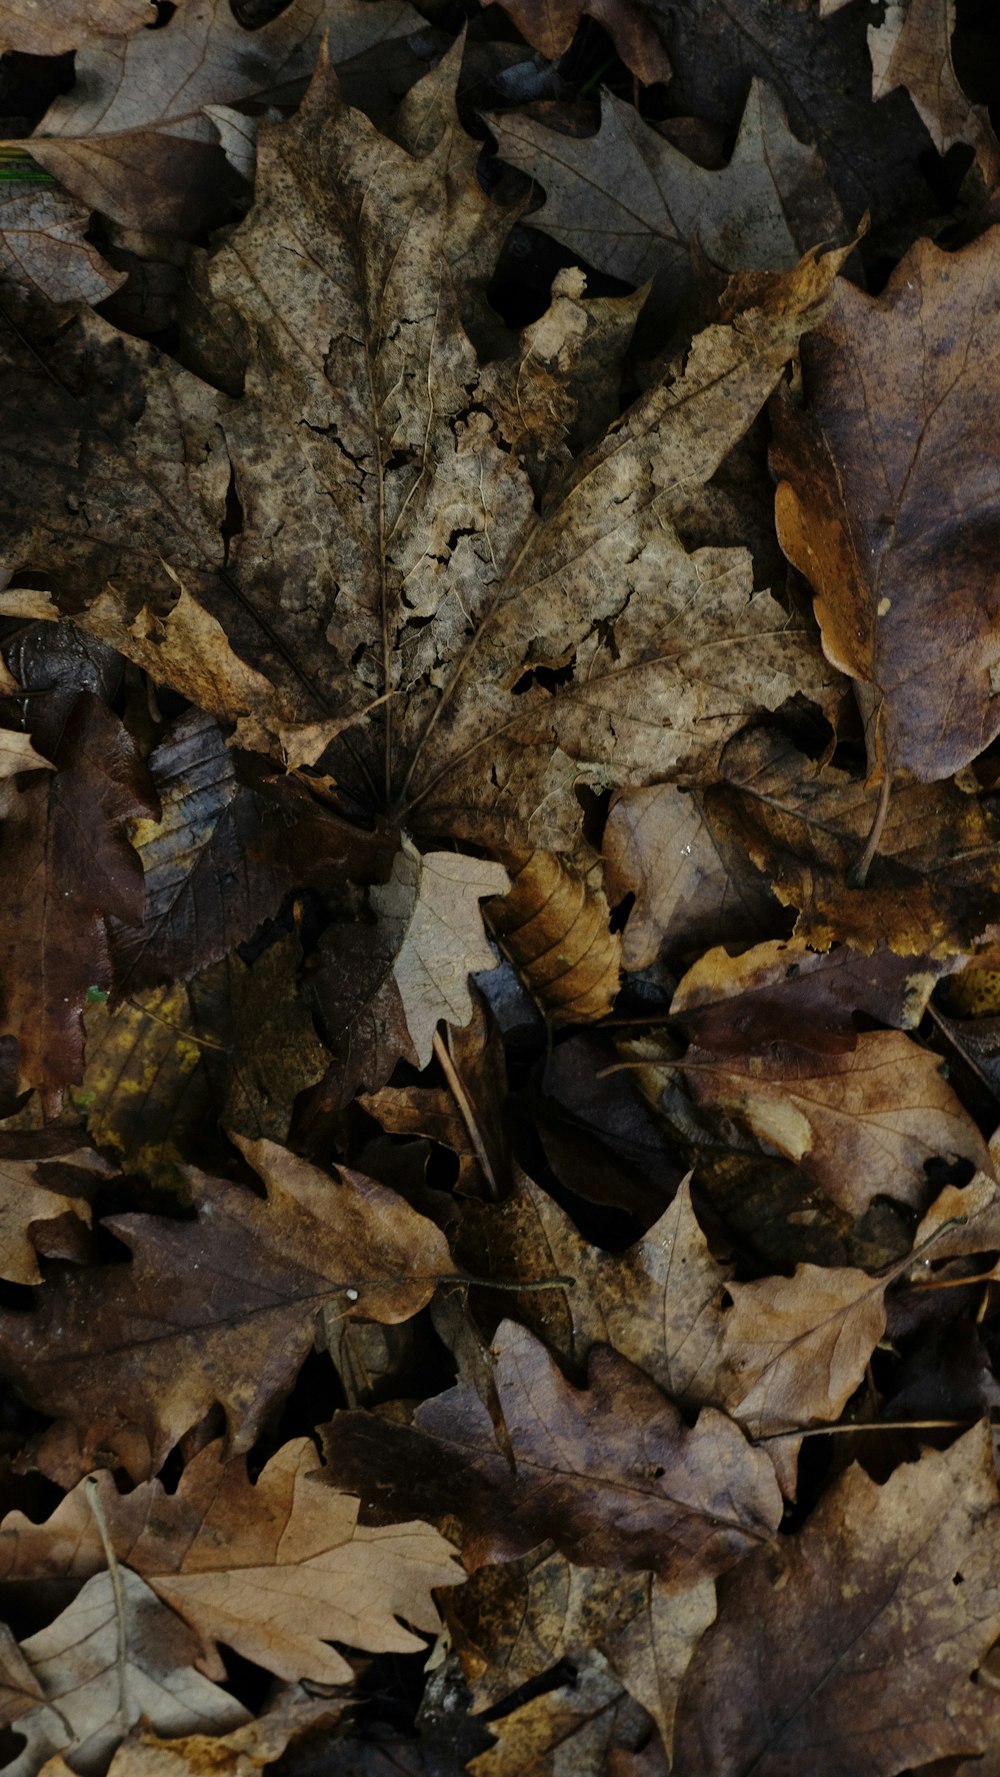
(89, 1702)
(555, 928)
(577, 1726)
(912, 48)
(51, 30)
(18, 754)
(134, 139)
(552, 26)
(275, 1570)
(241, 1753)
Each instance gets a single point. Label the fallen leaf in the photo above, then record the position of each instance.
(897, 1578)
(291, 1716)
(629, 202)
(276, 1053)
(471, 594)
(70, 870)
(18, 754)
(866, 502)
(43, 247)
(577, 1726)
(220, 1310)
(90, 1702)
(52, 31)
(275, 1569)
(555, 927)
(33, 1193)
(912, 48)
(691, 888)
(551, 27)
(860, 1121)
(135, 136)
(611, 1473)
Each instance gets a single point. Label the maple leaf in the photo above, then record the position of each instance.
(142, 135)
(866, 505)
(628, 202)
(274, 1569)
(459, 594)
(70, 870)
(219, 1310)
(89, 1700)
(899, 1578)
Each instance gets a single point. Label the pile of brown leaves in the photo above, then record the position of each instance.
(500, 941)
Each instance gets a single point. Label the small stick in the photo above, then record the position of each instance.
(857, 875)
(94, 1501)
(836, 1431)
(466, 1112)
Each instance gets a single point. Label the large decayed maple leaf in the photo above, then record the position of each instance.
(409, 521)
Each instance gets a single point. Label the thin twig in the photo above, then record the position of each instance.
(857, 875)
(94, 1501)
(468, 1115)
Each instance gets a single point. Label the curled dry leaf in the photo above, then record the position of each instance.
(220, 1310)
(275, 1570)
(89, 1702)
(555, 927)
(887, 502)
(898, 1578)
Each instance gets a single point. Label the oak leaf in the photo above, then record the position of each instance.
(867, 506)
(52, 31)
(89, 1701)
(221, 1310)
(275, 1569)
(551, 27)
(629, 202)
(611, 1473)
(138, 136)
(461, 594)
(43, 248)
(898, 1578)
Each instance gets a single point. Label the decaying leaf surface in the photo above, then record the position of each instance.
(859, 1121)
(75, 1664)
(219, 1310)
(886, 503)
(52, 30)
(275, 1570)
(902, 1577)
(668, 650)
(580, 1725)
(69, 870)
(630, 203)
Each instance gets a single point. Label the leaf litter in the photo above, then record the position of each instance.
(498, 984)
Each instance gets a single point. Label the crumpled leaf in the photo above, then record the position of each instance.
(629, 202)
(42, 245)
(275, 1569)
(69, 870)
(899, 1578)
(37, 1186)
(291, 1716)
(75, 1662)
(217, 1310)
(472, 594)
(912, 48)
(555, 927)
(135, 137)
(578, 1726)
(886, 502)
